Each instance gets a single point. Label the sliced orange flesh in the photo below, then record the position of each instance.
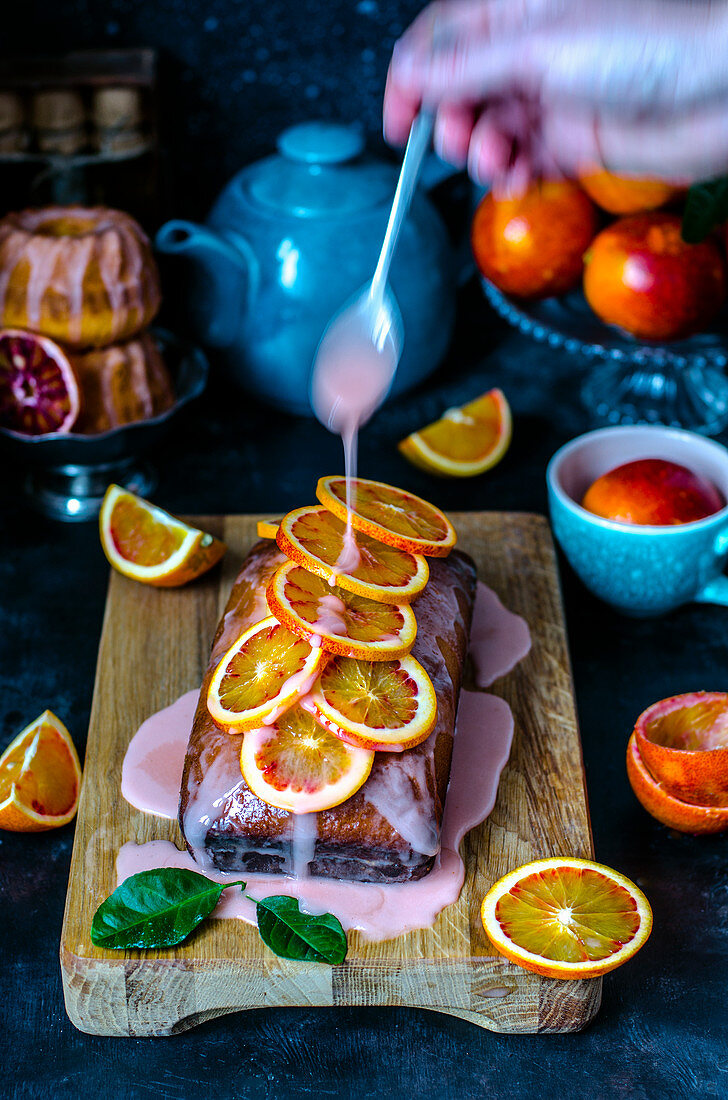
(385, 706)
(149, 545)
(347, 624)
(40, 777)
(683, 742)
(314, 538)
(262, 674)
(267, 528)
(566, 918)
(299, 766)
(664, 806)
(466, 441)
(390, 515)
(38, 388)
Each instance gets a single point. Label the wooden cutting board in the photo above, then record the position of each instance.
(154, 647)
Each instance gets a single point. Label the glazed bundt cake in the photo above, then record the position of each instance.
(84, 276)
(121, 384)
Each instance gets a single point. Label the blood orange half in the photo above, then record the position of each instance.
(38, 389)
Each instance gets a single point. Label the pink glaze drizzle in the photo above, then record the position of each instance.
(482, 744)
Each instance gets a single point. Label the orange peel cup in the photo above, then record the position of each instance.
(677, 761)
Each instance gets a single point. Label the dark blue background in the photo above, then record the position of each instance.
(234, 75)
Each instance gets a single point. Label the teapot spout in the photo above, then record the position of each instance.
(222, 276)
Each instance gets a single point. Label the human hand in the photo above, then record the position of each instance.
(544, 87)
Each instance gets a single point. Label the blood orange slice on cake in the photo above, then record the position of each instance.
(385, 706)
(390, 515)
(314, 538)
(347, 624)
(299, 766)
(262, 674)
(38, 389)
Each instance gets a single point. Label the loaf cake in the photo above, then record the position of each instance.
(389, 830)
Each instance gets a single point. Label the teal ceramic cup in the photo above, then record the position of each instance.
(640, 570)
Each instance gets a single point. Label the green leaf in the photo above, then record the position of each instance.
(705, 208)
(156, 908)
(296, 935)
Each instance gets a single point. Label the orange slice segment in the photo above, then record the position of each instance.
(566, 918)
(262, 674)
(299, 766)
(267, 528)
(386, 706)
(40, 777)
(390, 515)
(466, 441)
(149, 545)
(314, 538)
(347, 624)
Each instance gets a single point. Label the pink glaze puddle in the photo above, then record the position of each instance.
(484, 732)
(482, 746)
(499, 639)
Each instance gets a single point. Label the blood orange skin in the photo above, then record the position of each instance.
(38, 389)
(626, 194)
(533, 246)
(673, 812)
(641, 276)
(652, 492)
(683, 743)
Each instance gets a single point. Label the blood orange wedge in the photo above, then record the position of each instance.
(40, 777)
(314, 538)
(386, 706)
(148, 544)
(38, 389)
(566, 918)
(466, 441)
(390, 515)
(262, 674)
(685, 817)
(347, 624)
(299, 766)
(683, 742)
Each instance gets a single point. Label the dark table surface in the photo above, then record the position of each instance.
(661, 1030)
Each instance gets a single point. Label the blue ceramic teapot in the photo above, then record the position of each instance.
(289, 239)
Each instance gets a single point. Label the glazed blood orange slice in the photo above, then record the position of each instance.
(38, 389)
(347, 624)
(299, 766)
(40, 777)
(314, 538)
(566, 918)
(466, 441)
(385, 706)
(148, 544)
(390, 515)
(262, 674)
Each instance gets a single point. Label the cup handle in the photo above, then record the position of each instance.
(716, 590)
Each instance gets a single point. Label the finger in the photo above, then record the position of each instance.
(453, 131)
(490, 150)
(399, 112)
(469, 68)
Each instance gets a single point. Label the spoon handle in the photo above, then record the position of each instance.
(417, 145)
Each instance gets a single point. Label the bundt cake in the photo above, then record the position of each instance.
(83, 276)
(120, 384)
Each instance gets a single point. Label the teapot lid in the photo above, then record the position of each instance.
(321, 169)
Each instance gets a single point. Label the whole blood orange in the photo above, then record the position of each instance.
(652, 492)
(626, 194)
(683, 742)
(640, 274)
(533, 246)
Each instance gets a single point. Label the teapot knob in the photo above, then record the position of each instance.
(321, 143)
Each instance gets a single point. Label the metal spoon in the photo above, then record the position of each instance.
(372, 313)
